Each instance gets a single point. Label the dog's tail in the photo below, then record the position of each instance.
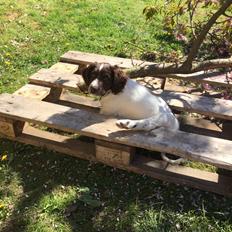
(172, 161)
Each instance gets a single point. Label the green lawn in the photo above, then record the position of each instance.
(41, 190)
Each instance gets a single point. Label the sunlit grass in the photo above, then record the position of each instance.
(34, 34)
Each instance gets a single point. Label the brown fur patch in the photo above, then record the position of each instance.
(110, 77)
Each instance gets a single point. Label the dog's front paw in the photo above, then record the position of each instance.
(126, 124)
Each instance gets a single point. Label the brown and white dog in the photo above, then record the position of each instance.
(123, 97)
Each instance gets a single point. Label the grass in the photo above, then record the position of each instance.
(34, 34)
(45, 191)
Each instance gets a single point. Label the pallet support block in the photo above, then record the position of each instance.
(54, 94)
(227, 129)
(111, 153)
(10, 127)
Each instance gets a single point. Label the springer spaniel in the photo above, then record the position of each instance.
(123, 97)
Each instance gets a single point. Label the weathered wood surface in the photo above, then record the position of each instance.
(64, 67)
(77, 57)
(183, 175)
(191, 146)
(85, 58)
(112, 153)
(218, 108)
(215, 107)
(53, 78)
(199, 126)
(33, 91)
(79, 101)
(56, 142)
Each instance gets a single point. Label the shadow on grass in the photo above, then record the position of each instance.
(122, 198)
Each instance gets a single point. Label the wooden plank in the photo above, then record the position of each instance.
(53, 78)
(218, 108)
(199, 126)
(79, 101)
(77, 57)
(192, 177)
(33, 91)
(191, 146)
(111, 153)
(215, 107)
(56, 142)
(64, 67)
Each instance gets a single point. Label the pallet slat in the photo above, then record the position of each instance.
(209, 106)
(218, 108)
(191, 146)
(53, 78)
(83, 58)
(76, 57)
(183, 175)
(65, 67)
(56, 142)
(33, 91)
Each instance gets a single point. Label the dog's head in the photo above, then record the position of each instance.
(102, 78)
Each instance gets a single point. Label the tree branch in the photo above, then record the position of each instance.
(156, 70)
(200, 38)
(212, 64)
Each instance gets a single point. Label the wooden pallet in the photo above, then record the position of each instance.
(46, 100)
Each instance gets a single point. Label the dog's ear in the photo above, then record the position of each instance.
(119, 80)
(86, 73)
